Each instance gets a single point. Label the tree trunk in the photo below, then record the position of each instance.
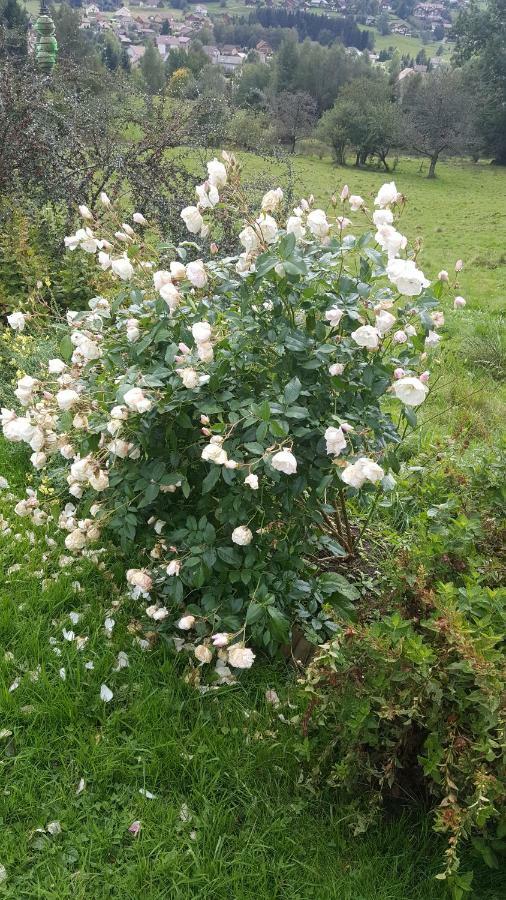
(432, 167)
(357, 159)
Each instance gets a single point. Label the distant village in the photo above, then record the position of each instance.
(134, 30)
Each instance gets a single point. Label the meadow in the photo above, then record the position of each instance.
(213, 789)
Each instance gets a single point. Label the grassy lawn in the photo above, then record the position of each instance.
(230, 818)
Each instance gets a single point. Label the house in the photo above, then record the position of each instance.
(135, 54)
(123, 13)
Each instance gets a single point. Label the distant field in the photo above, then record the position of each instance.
(406, 45)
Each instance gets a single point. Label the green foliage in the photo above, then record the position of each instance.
(411, 701)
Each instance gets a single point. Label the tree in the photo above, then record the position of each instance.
(13, 29)
(481, 37)
(286, 64)
(165, 29)
(437, 118)
(364, 117)
(74, 43)
(152, 69)
(294, 115)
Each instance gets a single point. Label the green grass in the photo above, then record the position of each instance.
(258, 832)
(253, 830)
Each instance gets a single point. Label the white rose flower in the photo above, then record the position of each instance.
(271, 200)
(186, 622)
(438, 318)
(104, 261)
(38, 460)
(366, 336)
(317, 223)
(284, 461)
(177, 270)
(390, 240)
(410, 391)
(294, 226)
(122, 267)
(240, 657)
(133, 331)
(400, 337)
(189, 377)
(384, 322)
(192, 219)
(356, 202)
(105, 693)
(408, 280)
(174, 567)
(382, 217)
(84, 212)
(432, 340)
(252, 481)
(16, 321)
(139, 219)
(136, 400)
(196, 273)
(201, 332)
(443, 275)
(208, 195)
(387, 194)
(203, 653)
(56, 366)
(217, 173)
(205, 352)
(459, 303)
(362, 470)
(335, 440)
(171, 295)
(214, 453)
(161, 277)
(249, 239)
(104, 199)
(268, 227)
(334, 315)
(336, 369)
(17, 429)
(242, 536)
(66, 399)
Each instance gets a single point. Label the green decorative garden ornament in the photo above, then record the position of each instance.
(46, 46)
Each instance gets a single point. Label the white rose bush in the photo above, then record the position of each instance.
(225, 419)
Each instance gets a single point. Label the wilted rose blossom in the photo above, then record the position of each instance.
(186, 622)
(203, 654)
(56, 366)
(66, 399)
(410, 391)
(139, 578)
(201, 332)
(174, 567)
(104, 199)
(189, 377)
(284, 461)
(139, 219)
(240, 657)
(157, 613)
(242, 536)
(443, 275)
(438, 318)
(432, 340)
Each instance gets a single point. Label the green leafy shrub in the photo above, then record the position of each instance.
(409, 699)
